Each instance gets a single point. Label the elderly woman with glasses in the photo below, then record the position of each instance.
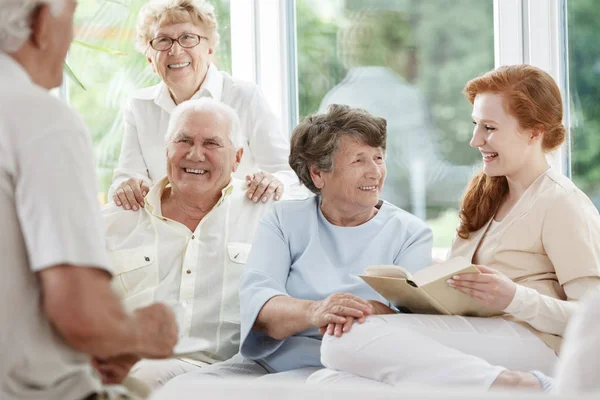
(178, 38)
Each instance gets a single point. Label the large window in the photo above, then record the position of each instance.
(584, 82)
(407, 61)
(110, 69)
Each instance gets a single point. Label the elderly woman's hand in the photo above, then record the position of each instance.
(339, 329)
(491, 288)
(130, 194)
(263, 185)
(339, 308)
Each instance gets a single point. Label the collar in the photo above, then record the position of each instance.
(12, 70)
(154, 196)
(211, 87)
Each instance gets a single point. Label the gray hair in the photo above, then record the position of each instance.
(209, 105)
(315, 140)
(158, 13)
(15, 18)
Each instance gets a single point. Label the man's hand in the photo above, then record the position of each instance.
(130, 194)
(114, 369)
(263, 185)
(157, 331)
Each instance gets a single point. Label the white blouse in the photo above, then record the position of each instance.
(147, 117)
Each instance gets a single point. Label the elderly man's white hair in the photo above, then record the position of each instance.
(206, 104)
(15, 19)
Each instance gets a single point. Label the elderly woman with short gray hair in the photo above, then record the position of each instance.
(179, 39)
(302, 274)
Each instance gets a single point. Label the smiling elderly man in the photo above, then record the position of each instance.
(189, 244)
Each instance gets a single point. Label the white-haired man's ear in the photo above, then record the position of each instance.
(238, 159)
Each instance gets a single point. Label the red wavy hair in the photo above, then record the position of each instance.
(533, 98)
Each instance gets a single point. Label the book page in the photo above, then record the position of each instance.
(443, 270)
(391, 271)
(402, 293)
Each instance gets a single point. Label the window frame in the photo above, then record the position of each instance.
(263, 45)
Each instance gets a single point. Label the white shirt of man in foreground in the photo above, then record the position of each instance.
(57, 308)
(190, 241)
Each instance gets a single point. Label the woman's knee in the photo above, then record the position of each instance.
(336, 352)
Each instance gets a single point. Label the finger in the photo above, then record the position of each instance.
(472, 292)
(334, 319)
(484, 287)
(357, 299)
(353, 303)
(123, 199)
(130, 198)
(139, 197)
(485, 278)
(116, 199)
(330, 329)
(361, 320)
(249, 179)
(339, 329)
(145, 188)
(279, 192)
(346, 312)
(268, 192)
(260, 189)
(322, 330)
(348, 325)
(256, 179)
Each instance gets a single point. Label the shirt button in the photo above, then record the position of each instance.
(193, 237)
(188, 271)
(147, 258)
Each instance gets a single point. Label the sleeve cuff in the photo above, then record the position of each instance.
(518, 301)
(255, 345)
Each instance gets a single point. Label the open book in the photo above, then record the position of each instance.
(426, 291)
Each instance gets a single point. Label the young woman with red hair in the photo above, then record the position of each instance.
(532, 233)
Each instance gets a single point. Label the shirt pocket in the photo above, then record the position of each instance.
(237, 254)
(134, 271)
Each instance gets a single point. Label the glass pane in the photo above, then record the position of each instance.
(113, 70)
(584, 85)
(406, 61)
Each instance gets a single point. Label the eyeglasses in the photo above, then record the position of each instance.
(187, 40)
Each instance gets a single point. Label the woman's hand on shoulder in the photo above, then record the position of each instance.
(262, 185)
(130, 194)
(491, 287)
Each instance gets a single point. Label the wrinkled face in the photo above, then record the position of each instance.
(56, 40)
(506, 148)
(181, 67)
(200, 155)
(356, 180)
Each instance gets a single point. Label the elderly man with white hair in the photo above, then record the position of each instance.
(57, 308)
(190, 242)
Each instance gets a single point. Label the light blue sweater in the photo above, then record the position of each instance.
(298, 253)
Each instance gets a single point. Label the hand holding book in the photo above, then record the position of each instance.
(429, 292)
(490, 287)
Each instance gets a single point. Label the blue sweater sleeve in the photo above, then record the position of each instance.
(265, 276)
(415, 253)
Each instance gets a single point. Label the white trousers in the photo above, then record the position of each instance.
(156, 373)
(435, 350)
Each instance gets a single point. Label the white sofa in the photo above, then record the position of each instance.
(256, 390)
